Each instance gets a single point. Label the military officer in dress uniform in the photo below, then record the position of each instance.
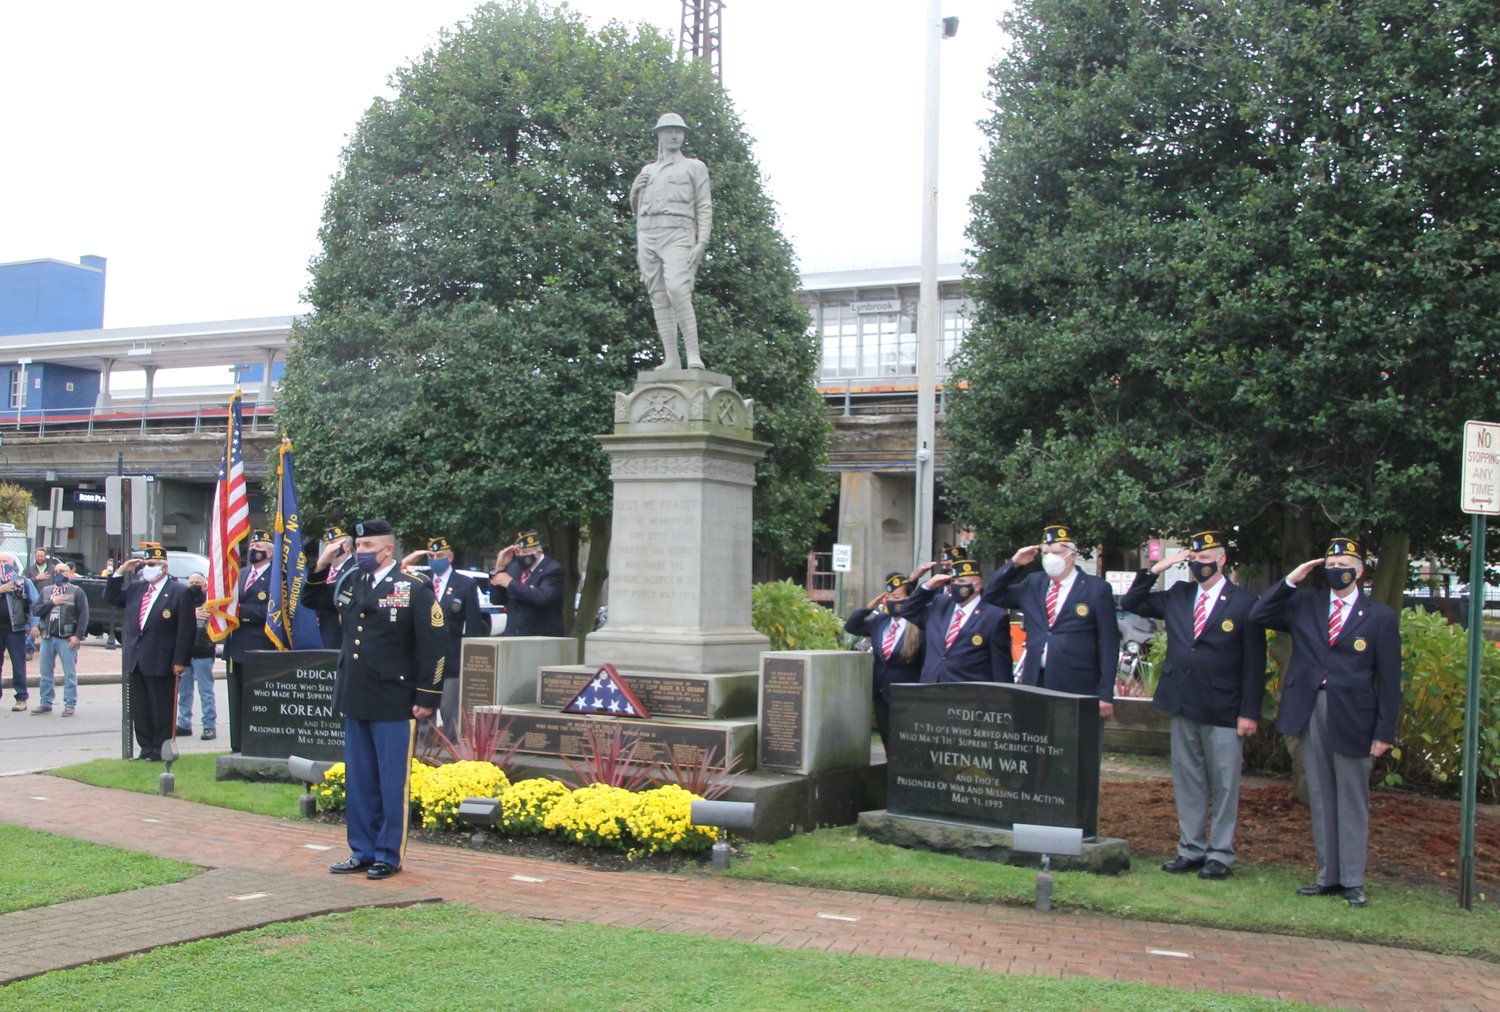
(338, 571)
(159, 623)
(458, 596)
(1072, 641)
(967, 639)
(390, 677)
(1212, 681)
(895, 642)
(1339, 698)
(529, 585)
(250, 634)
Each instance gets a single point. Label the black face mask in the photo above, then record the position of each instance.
(1203, 571)
(963, 591)
(257, 555)
(198, 595)
(1338, 577)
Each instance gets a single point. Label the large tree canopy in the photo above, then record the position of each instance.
(477, 303)
(1234, 264)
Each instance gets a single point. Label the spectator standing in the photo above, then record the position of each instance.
(17, 597)
(200, 674)
(63, 612)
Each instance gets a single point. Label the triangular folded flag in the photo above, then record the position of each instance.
(607, 694)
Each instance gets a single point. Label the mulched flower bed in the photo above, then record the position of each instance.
(1412, 838)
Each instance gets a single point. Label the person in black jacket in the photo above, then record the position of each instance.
(159, 624)
(458, 596)
(895, 642)
(1339, 697)
(390, 678)
(250, 634)
(1072, 639)
(967, 638)
(338, 571)
(529, 585)
(1212, 681)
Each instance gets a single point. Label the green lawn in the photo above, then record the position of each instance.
(42, 869)
(454, 957)
(1258, 898)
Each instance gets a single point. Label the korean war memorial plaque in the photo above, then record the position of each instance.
(289, 697)
(994, 754)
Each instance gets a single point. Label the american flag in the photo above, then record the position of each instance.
(231, 525)
(608, 694)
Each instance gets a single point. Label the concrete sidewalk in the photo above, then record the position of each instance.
(290, 857)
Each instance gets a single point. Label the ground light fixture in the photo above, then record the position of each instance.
(725, 815)
(309, 772)
(1046, 840)
(483, 813)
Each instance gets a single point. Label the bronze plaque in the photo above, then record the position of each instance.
(663, 696)
(783, 698)
(568, 736)
(478, 671)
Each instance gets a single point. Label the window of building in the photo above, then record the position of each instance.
(17, 389)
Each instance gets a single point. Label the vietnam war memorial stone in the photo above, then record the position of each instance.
(994, 754)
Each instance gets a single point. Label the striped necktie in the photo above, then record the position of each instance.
(1052, 602)
(140, 621)
(1335, 621)
(892, 633)
(958, 620)
(1200, 615)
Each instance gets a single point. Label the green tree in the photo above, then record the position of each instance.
(477, 304)
(15, 504)
(1234, 265)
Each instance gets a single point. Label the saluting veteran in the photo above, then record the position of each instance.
(390, 677)
(1339, 698)
(1211, 683)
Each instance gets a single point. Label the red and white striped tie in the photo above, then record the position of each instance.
(1052, 602)
(140, 622)
(1335, 621)
(958, 620)
(1200, 616)
(892, 633)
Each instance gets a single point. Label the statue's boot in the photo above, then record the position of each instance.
(689, 322)
(666, 326)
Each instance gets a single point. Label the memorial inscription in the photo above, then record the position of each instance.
(783, 698)
(664, 696)
(290, 711)
(564, 736)
(994, 754)
(478, 670)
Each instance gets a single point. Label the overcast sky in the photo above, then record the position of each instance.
(192, 144)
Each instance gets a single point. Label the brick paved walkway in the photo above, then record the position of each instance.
(293, 855)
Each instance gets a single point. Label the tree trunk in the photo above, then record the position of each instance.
(1296, 548)
(600, 532)
(562, 545)
(1389, 577)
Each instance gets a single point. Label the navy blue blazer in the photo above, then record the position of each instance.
(1083, 645)
(1362, 670)
(326, 607)
(171, 625)
(980, 653)
(533, 608)
(874, 623)
(1219, 676)
(250, 634)
(463, 617)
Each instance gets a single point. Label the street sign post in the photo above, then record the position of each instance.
(1479, 495)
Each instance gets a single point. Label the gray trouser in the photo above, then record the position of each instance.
(448, 711)
(1205, 764)
(1338, 789)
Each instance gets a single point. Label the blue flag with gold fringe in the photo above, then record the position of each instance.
(289, 625)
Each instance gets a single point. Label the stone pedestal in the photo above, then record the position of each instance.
(502, 670)
(815, 710)
(682, 460)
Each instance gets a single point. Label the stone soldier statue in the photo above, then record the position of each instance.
(673, 217)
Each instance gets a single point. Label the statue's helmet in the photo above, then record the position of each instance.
(669, 119)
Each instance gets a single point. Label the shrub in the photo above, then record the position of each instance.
(593, 816)
(661, 820)
(437, 791)
(784, 612)
(1429, 735)
(525, 805)
(331, 792)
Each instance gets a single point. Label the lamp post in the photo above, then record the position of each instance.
(929, 308)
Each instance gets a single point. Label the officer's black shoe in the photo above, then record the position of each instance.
(1180, 865)
(1214, 869)
(1317, 890)
(1356, 896)
(381, 870)
(349, 866)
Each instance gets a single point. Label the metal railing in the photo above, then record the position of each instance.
(170, 417)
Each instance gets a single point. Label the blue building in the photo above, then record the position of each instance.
(43, 297)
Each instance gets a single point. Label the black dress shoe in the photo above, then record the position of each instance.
(183, 732)
(1214, 869)
(1317, 890)
(381, 870)
(1356, 896)
(1180, 865)
(349, 866)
